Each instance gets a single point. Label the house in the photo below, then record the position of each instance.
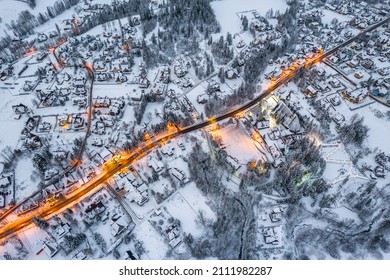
(121, 78)
(42, 37)
(353, 63)
(28, 86)
(61, 230)
(101, 76)
(165, 74)
(139, 195)
(136, 21)
(27, 206)
(155, 164)
(231, 73)
(368, 63)
(123, 184)
(131, 256)
(99, 65)
(41, 55)
(384, 71)
(233, 162)
(335, 100)
(335, 83)
(311, 91)
(60, 154)
(31, 142)
(78, 122)
(240, 44)
(64, 120)
(98, 142)
(44, 127)
(187, 82)
(334, 59)
(379, 171)
(100, 128)
(213, 86)
(173, 234)
(50, 247)
(50, 173)
(358, 75)
(5, 182)
(102, 102)
(168, 150)
(324, 87)
(179, 70)
(355, 96)
(357, 46)
(94, 209)
(338, 118)
(270, 236)
(20, 109)
(143, 83)
(118, 226)
(256, 114)
(53, 34)
(320, 71)
(181, 145)
(275, 216)
(202, 98)
(178, 174)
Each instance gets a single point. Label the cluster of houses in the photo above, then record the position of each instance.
(274, 127)
(167, 226)
(272, 227)
(382, 166)
(28, 139)
(261, 30)
(99, 211)
(135, 189)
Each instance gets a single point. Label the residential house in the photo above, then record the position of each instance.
(178, 174)
(143, 83)
(94, 209)
(155, 164)
(270, 236)
(233, 162)
(118, 226)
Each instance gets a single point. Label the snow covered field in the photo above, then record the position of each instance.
(225, 11)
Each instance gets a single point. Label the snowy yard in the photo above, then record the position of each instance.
(225, 11)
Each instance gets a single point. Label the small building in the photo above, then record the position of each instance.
(155, 164)
(355, 96)
(178, 174)
(95, 209)
(118, 226)
(79, 255)
(143, 83)
(311, 91)
(5, 182)
(61, 230)
(130, 255)
(50, 247)
(233, 162)
(42, 37)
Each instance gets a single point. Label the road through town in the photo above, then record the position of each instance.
(115, 166)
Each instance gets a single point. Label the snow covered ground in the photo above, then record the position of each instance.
(238, 143)
(225, 11)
